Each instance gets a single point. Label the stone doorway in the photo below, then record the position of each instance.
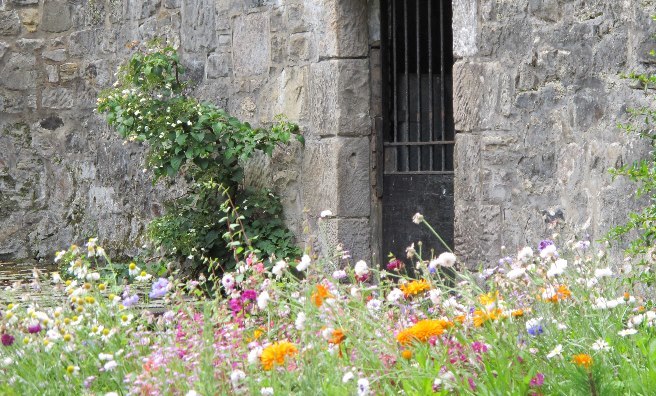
(416, 146)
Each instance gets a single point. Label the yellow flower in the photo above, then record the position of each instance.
(406, 354)
(423, 331)
(415, 287)
(583, 360)
(276, 353)
(489, 298)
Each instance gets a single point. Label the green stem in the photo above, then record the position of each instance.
(437, 235)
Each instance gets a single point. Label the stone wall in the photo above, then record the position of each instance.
(65, 176)
(537, 97)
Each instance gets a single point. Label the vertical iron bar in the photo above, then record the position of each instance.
(430, 84)
(407, 84)
(419, 126)
(395, 88)
(442, 82)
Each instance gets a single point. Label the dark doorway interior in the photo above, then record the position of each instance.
(418, 131)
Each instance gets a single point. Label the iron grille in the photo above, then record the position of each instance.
(418, 134)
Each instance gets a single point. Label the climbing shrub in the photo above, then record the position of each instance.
(643, 174)
(150, 103)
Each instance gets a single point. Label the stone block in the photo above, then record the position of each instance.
(465, 27)
(353, 236)
(58, 98)
(299, 49)
(23, 2)
(9, 23)
(3, 49)
(56, 16)
(374, 21)
(16, 102)
(336, 176)
(476, 93)
(339, 97)
(172, 3)
(296, 18)
(218, 65)
(30, 18)
(292, 99)
(467, 167)
(19, 72)
(68, 71)
(546, 10)
(29, 45)
(197, 28)
(251, 45)
(56, 55)
(343, 29)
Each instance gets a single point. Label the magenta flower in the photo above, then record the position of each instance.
(479, 347)
(249, 295)
(472, 384)
(7, 339)
(537, 381)
(235, 305)
(395, 265)
(34, 328)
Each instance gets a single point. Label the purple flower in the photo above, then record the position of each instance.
(538, 380)
(544, 244)
(160, 288)
(129, 301)
(535, 330)
(249, 295)
(34, 328)
(7, 339)
(88, 381)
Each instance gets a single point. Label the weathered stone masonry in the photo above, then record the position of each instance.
(65, 176)
(536, 96)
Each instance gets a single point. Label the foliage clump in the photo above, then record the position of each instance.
(218, 219)
(643, 173)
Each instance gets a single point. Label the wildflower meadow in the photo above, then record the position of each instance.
(559, 317)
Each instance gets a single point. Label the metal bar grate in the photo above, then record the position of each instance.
(419, 130)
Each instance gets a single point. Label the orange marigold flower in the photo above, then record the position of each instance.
(319, 294)
(415, 287)
(422, 331)
(561, 293)
(517, 313)
(276, 353)
(337, 337)
(583, 360)
(460, 319)
(406, 354)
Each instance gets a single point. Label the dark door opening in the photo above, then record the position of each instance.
(418, 130)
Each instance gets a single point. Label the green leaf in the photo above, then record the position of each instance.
(176, 162)
(198, 136)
